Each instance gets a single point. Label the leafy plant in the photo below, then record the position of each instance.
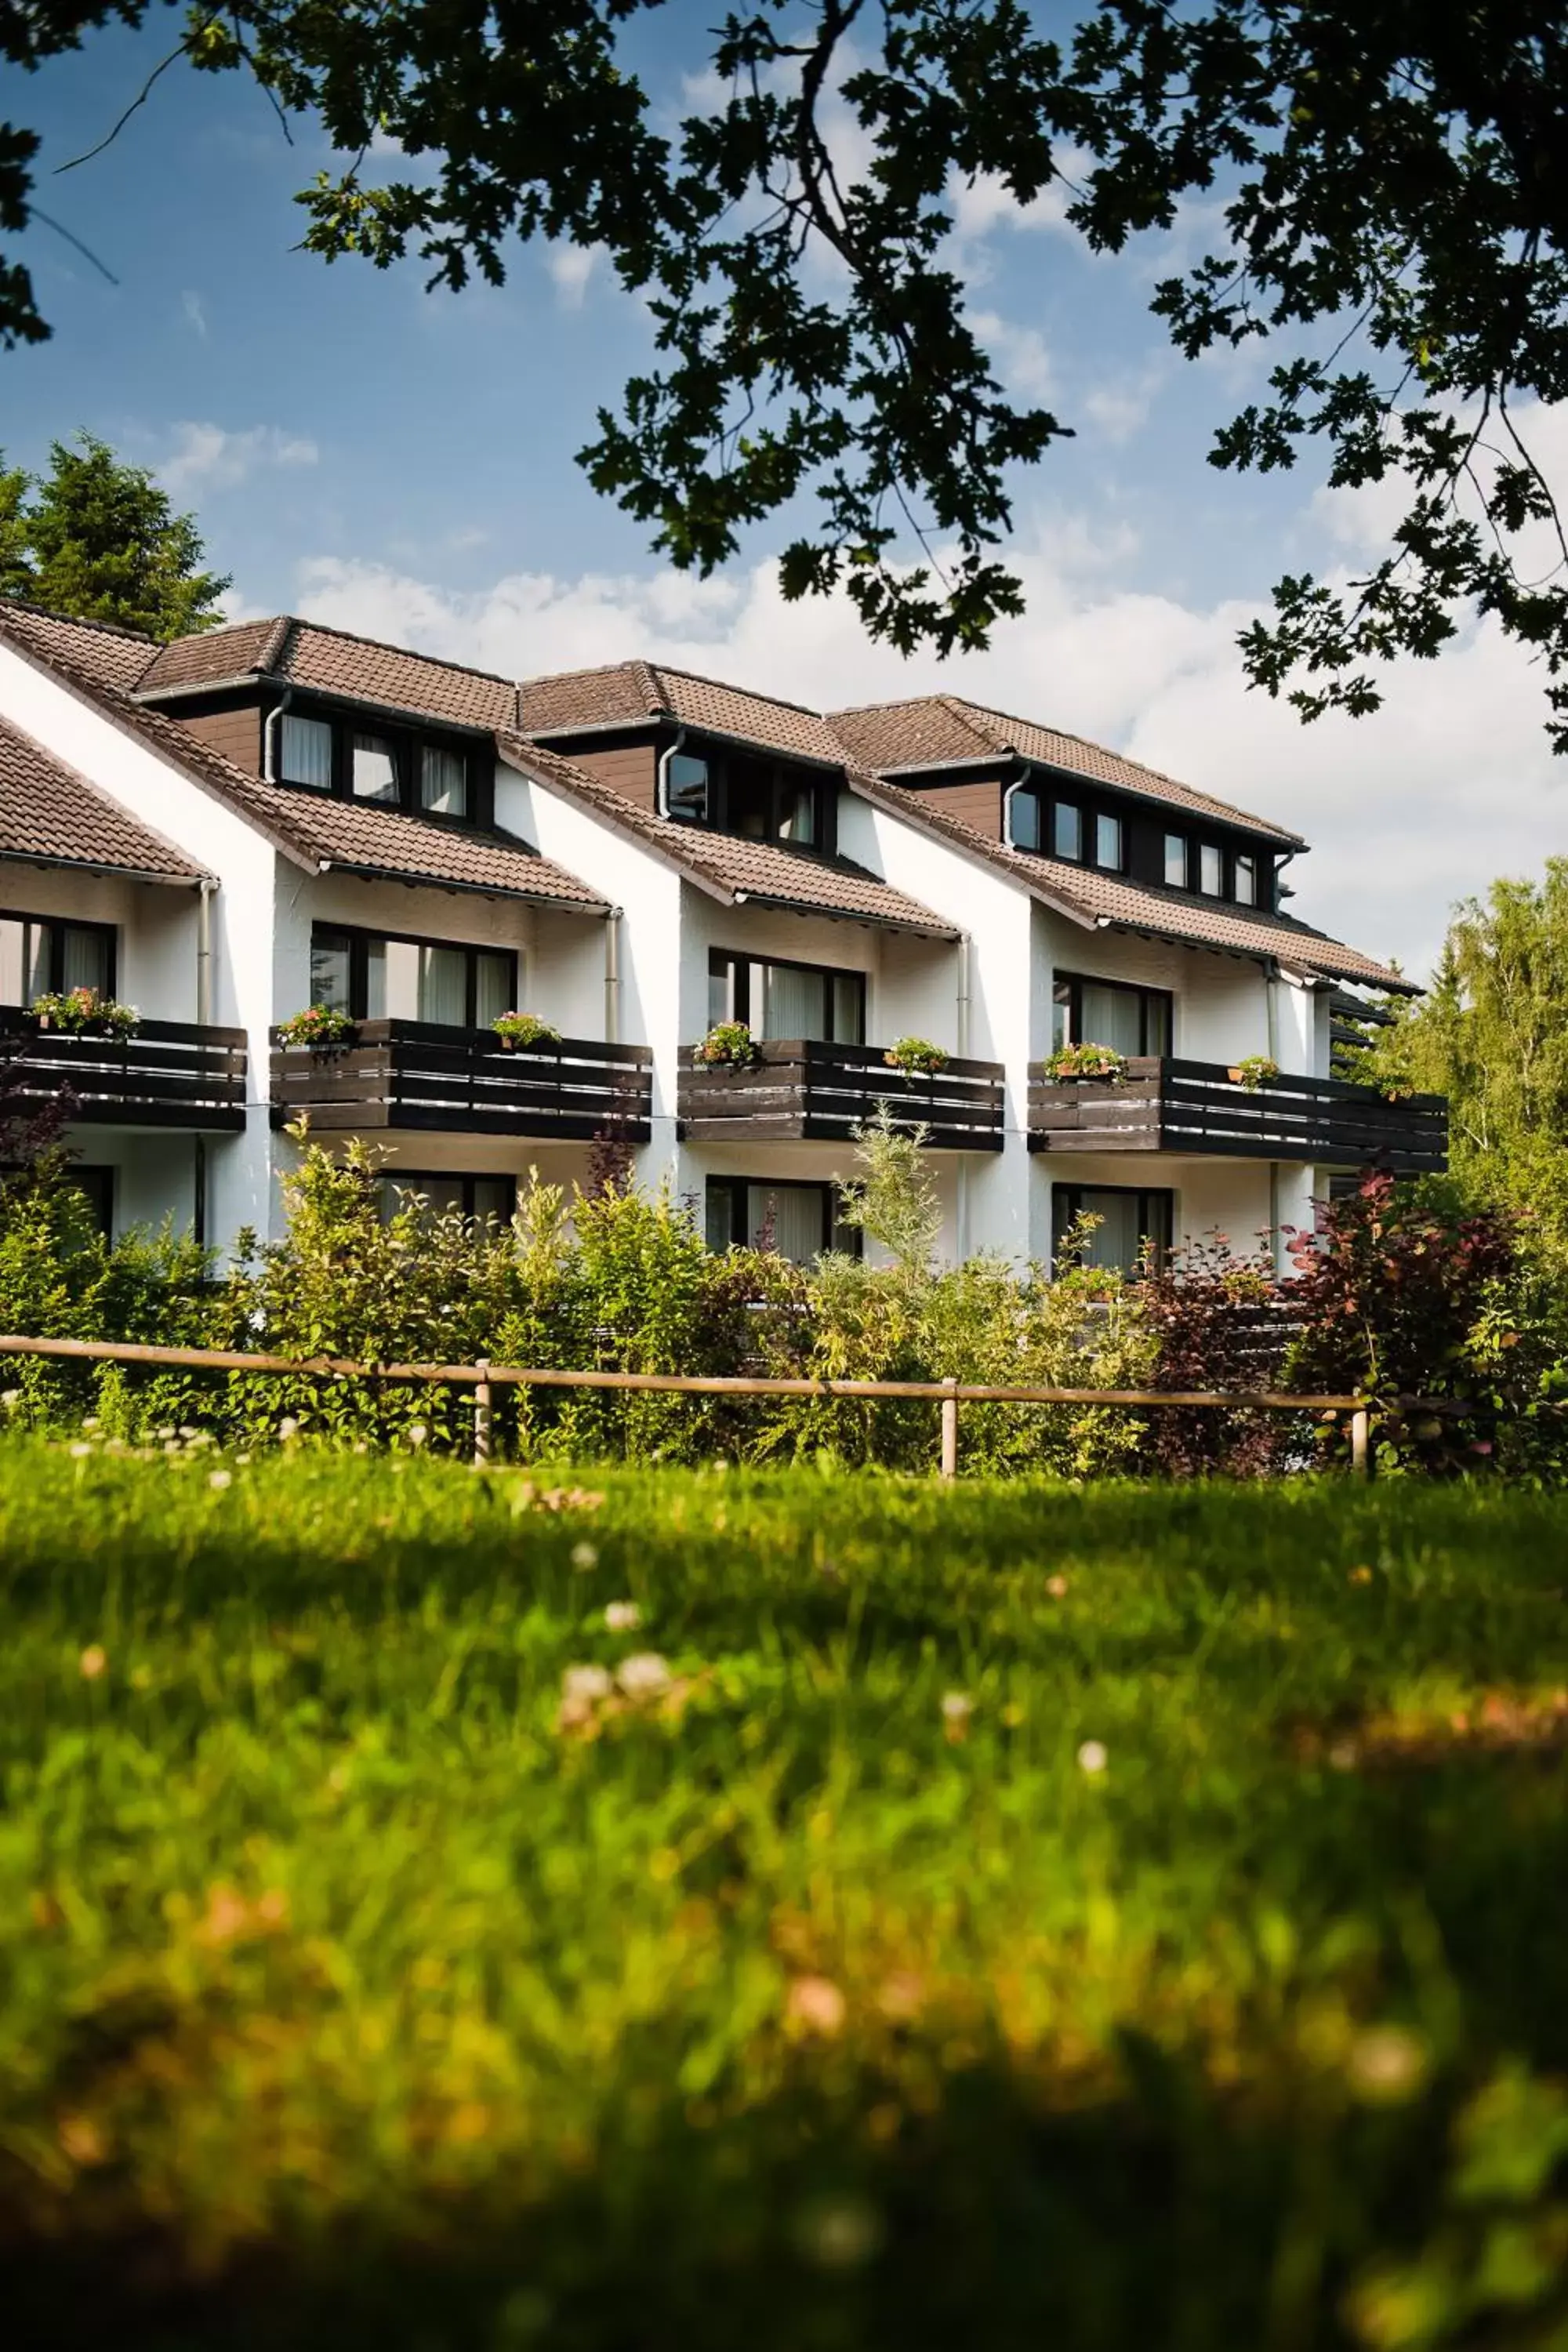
(918, 1056)
(83, 1013)
(518, 1031)
(319, 1025)
(1254, 1070)
(1087, 1060)
(727, 1044)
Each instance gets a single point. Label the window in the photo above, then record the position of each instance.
(1176, 861)
(472, 1196)
(1024, 818)
(375, 977)
(1244, 869)
(686, 789)
(443, 781)
(39, 954)
(1133, 1224)
(799, 1221)
(305, 751)
(1088, 1012)
(786, 1000)
(1211, 870)
(389, 767)
(1108, 842)
(1066, 830)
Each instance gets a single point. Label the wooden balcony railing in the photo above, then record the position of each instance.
(421, 1074)
(169, 1074)
(801, 1092)
(1198, 1107)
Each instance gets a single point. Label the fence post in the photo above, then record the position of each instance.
(1360, 1458)
(482, 1415)
(950, 1429)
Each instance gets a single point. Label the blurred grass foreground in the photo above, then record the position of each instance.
(788, 1912)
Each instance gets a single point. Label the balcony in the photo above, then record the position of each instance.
(1198, 1107)
(420, 1074)
(169, 1074)
(801, 1092)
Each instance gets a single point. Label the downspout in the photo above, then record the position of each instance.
(204, 1018)
(662, 771)
(613, 977)
(269, 736)
(1271, 1004)
(962, 1009)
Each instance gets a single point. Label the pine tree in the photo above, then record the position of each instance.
(99, 540)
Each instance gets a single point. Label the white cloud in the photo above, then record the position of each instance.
(194, 312)
(1453, 782)
(208, 457)
(1119, 407)
(571, 266)
(1023, 363)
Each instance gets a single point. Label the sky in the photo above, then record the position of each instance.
(365, 452)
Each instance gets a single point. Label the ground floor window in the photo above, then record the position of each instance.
(1107, 1013)
(786, 1000)
(41, 955)
(1132, 1222)
(475, 1196)
(799, 1221)
(374, 977)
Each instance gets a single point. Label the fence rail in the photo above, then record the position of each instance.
(485, 1378)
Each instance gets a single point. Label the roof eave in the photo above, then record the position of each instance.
(165, 879)
(368, 872)
(946, 932)
(512, 753)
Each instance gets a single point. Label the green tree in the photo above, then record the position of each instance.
(1492, 1035)
(1388, 179)
(98, 538)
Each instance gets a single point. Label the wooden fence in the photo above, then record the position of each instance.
(484, 1379)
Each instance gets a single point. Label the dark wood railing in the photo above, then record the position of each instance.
(168, 1073)
(802, 1092)
(1198, 1107)
(422, 1074)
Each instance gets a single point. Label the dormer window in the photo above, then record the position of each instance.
(1176, 861)
(427, 775)
(1066, 830)
(755, 797)
(1108, 842)
(688, 789)
(1211, 870)
(1245, 885)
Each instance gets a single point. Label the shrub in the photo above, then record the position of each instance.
(1209, 1315)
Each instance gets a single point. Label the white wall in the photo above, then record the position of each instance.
(155, 948)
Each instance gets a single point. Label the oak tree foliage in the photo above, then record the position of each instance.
(1383, 185)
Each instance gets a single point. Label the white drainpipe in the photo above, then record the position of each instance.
(661, 772)
(613, 977)
(269, 737)
(963, 1012)
(203, 1016)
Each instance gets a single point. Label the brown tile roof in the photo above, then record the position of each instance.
(115, 656)
(1093, 899)
(941, 730)
(628, 691)
(732, 869)
(51, 815)
(319, 831)
(331, 661)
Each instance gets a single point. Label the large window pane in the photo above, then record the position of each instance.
(750, 788)
(331, 970)
(444, 986)
(443, 781)
(1024, 818)
(305, 751)
(1062, 1017)
(797, 812)
(493, 990)
(1127, 1221)
(688, 789)
(790, 1216)
(1211, 870)
(372, 768)
(1176, 860)
(1111, 1017)
(794, 1002)
(1156, 1023)
(1108, 842)
(392, 980)
(720, 988)
(1246, 880)
(494, 1196)
(848, 1009)
(18, 984)
(720, 1215)
(85, 959)
(1067, 837)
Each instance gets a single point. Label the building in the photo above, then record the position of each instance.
(230, 828)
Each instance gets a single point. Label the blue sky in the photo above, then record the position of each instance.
(402, 462)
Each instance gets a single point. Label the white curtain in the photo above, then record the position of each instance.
(444, 986)
(492, 989)
(84, 963)
(330, 971)
(795, 1212)
(1117, 1240)
(444, 780)
(794, 1002)
(375, 772)
(1110, 1017)
(306, 752)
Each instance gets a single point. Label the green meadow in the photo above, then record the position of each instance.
(798, 1912)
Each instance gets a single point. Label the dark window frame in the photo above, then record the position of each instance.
(1075, 982)
(784, 778)
(739, 961)
(1069, 1202)
(408, 740)
(1045, 795)
(846, 1239)
(415, 1180)
(359, 937)
(56, 927)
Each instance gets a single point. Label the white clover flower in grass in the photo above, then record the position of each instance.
(10, 1399)
(585, 1686)
(220, 1478)
(644, 1676)
(288, 1427)
(418, 1431)
(585, 1556)
(1092, 1756)
(91, 1422)
(623, 1616)
(80, 1450)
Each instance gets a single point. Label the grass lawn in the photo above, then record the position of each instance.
(1002, 1916)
